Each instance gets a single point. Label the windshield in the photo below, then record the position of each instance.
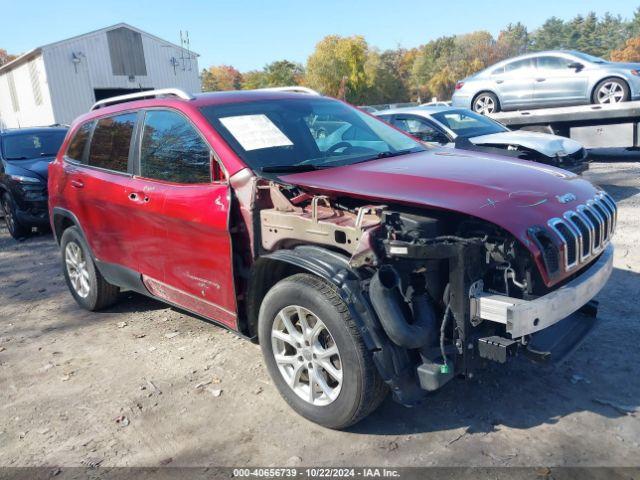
(467, 124)
(26, 146)
(305, 133)
(589, 58)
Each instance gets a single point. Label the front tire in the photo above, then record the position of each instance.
(87, 285)
(16, 229)
(610, 90)
(486, 103)
(315, 354)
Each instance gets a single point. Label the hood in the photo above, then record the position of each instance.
(513, 194)
(37, 167)
(547, 144)
(625, 65)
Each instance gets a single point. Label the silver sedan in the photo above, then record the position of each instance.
(467, 130)
(548, 79)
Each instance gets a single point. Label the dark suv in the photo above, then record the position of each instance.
(362, 261)
(25, 155)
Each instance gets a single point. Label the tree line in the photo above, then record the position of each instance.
(350, 68)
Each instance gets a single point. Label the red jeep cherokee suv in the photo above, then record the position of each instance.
(360, 260)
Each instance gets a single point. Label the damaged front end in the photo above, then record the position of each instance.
(576, 162)
(437, 294)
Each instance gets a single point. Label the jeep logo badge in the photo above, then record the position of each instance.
(566, 198)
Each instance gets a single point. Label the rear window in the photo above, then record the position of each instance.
(553, 63)
(111, 141)
(78, 145)
(519, 65)
(468, 124)
(27, 146)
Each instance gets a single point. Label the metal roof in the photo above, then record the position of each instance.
(36, 51)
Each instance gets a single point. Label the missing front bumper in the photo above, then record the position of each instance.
(525, 317)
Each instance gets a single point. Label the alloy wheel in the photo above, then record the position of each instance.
(77, 269)
(307, 355)
(484, 104)
(610, 92)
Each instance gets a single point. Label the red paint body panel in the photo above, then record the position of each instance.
(99, 200)
(197, 250)
(493, 188)
(179, 239)
(176, 236)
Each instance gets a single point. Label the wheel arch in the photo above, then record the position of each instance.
(393, 363)
(614, 76)
(63, 219)
(270, 269)
(485, 90)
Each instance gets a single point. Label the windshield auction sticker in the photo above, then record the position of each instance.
(254, 132)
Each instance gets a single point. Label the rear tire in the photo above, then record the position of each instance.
(485, 103)
(610, 90)
(354, 386)
(16, 229)
(86, 284)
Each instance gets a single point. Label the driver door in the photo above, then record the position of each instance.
(557, 83)
(179, 171)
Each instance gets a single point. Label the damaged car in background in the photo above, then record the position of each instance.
(467, 130)
(361, 261)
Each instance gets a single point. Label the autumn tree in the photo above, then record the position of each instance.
(348, 67)
(254, 79)
(512, 40)
(221, 77)
(611, 33)
(283, 73)
(629, 53)
(340, 61)
(6, 57)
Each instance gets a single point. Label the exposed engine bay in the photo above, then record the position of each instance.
(420, 270)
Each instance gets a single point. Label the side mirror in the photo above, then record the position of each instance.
(432, 137)
(577, 66)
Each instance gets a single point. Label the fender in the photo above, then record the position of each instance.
(615, 76)
(58, 217)
(393, 362)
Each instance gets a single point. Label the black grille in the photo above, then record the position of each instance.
(575, 157)
(605, 216)
(596, 227)
(550, 253)
(582, 226)
(571, 240)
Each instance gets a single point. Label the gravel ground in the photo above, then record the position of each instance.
(146, 385)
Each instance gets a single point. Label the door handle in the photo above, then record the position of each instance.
(540, 79)
(499, 81)
(77, 183)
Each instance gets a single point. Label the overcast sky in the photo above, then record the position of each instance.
(249, 34)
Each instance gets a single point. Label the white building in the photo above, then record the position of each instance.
(57, 82)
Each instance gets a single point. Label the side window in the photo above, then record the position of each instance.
(78, 145)
(110, 142)
(421, 129)
(518, 65)
(172, 150)
(498, 71)
(553, 63)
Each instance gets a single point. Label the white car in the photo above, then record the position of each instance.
(462, 128)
